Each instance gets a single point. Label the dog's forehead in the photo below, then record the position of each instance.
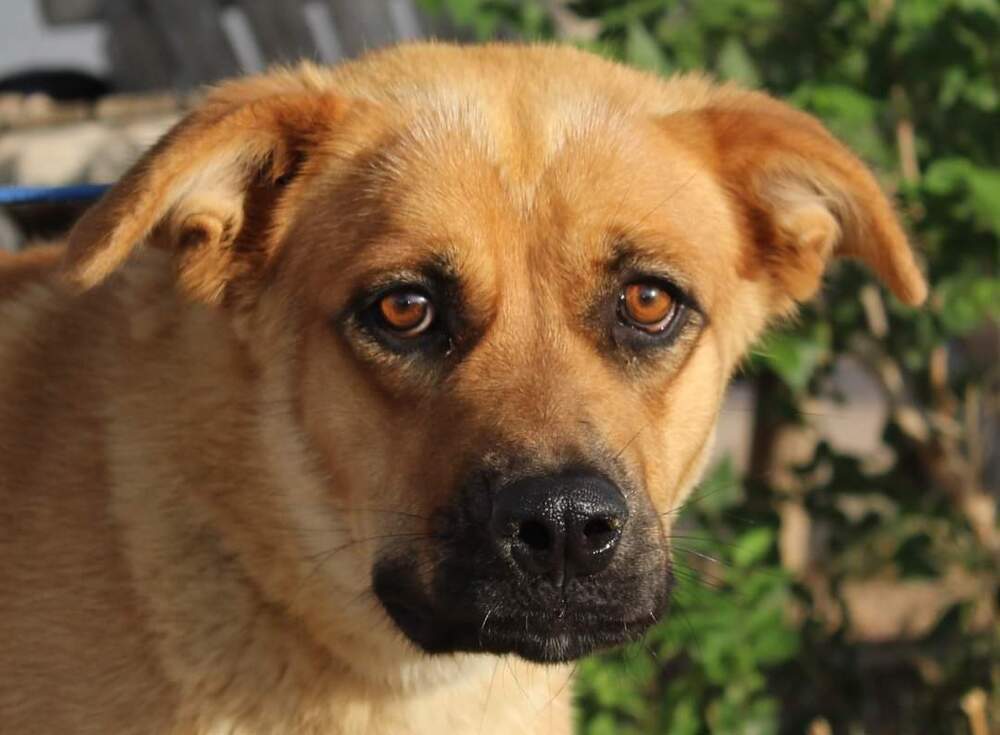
(567, 178)
(516, 108)
(492, 157)
(521, 143)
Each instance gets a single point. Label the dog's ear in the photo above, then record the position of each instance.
(801, 197)
(209, 190)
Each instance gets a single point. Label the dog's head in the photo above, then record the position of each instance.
(494, 296)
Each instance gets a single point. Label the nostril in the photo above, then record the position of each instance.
(597, 527)
(535, 535)
(560, 527)
(599, 533)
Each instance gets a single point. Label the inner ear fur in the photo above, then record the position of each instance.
(209, 190)
(800, 195)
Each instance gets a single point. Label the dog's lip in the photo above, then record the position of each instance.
(561, 642)
(538, 636)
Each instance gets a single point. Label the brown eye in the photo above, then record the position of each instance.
(648, 306)
(407, 313)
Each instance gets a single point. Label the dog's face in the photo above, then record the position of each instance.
(500, 292)
(531, 371)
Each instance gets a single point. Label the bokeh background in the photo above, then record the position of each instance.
(838, 568)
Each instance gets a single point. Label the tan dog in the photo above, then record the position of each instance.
(374, 375)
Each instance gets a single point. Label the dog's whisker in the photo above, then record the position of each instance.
(613, 221)
(331, 529)
(482, 627)
(705, 580)
(644, 642)
(365, 592)
(364, 540)
(489, 693)
(320, 559)
(635, 436)
(562, 687)
(703, 539)
(517, 682)
(645, 636)
(694, 636)
(699, 496)
(708, 581)
(630, 654)
(700, 555)
(323, 558)
(635, 226)
(381, 511)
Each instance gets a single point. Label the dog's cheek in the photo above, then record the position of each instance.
(342, 421)
(354, 424)
(675, 450)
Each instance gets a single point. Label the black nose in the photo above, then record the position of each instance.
(560, 526)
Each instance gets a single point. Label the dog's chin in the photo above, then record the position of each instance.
(531, 638)
(539, 635)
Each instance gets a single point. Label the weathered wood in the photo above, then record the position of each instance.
(280, 30)
(406, 20)
(362, 26)
(193, 33)
(68, 12)
(138, 56)
(181, 44)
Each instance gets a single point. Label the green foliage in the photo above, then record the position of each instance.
(914, 87)
(796, 352)
(708, 664)
(488, 19)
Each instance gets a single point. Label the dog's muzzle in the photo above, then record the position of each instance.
(548, 567)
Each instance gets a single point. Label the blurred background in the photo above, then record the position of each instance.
(838, 568)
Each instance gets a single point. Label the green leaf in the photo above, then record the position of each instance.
(641, 49)
(721, 489)
(603, 724)
(753, 546)
(850, 114)
(795, 355)
(968, 300)
(920, 14)
(979, 185)
(734, 63)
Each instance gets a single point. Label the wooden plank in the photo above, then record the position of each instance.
(361, 26)
(68, 12)
(193, 34)
(405, 19)
(138, 56)
(280, 30)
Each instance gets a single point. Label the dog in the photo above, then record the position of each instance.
(364, 402)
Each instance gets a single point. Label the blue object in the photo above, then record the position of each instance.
(51, 194)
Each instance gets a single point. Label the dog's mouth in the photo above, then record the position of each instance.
(557, 632)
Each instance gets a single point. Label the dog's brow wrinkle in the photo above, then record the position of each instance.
(434, 126)
(579, 119)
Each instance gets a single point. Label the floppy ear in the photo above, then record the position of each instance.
(801, 196)
(209, 190)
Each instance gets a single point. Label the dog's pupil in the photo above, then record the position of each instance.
(647, 303)
(404, 310)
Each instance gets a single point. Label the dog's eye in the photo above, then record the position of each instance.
(647, 305)
(406, 312)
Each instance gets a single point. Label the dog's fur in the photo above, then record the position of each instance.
(206, 458)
